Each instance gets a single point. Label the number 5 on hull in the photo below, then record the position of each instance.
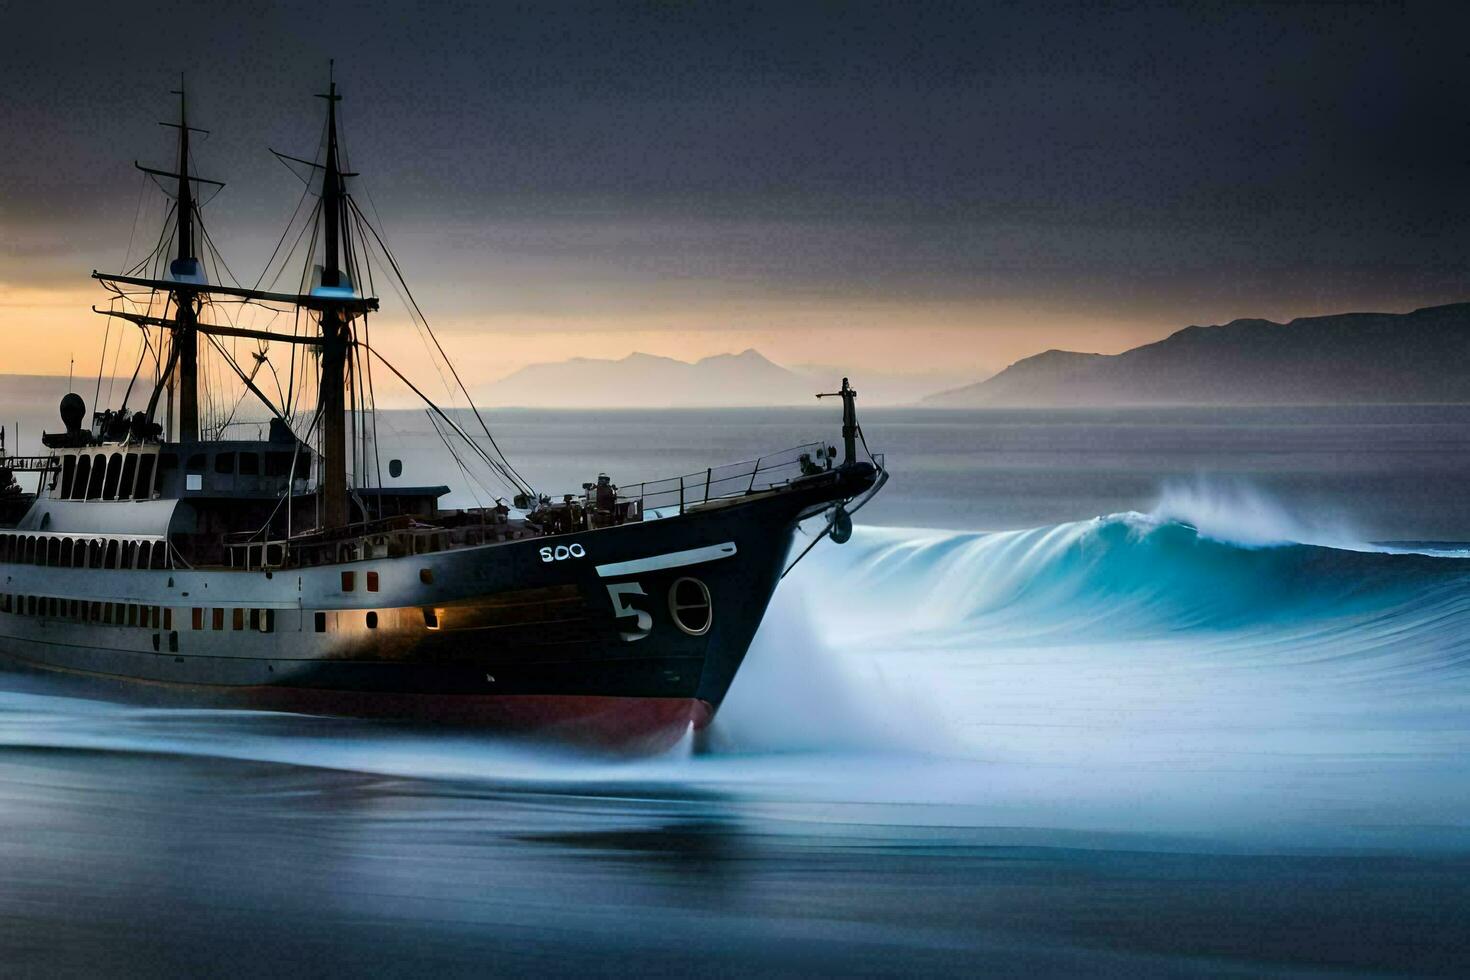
(618, 592)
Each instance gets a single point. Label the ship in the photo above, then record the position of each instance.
(159, 560)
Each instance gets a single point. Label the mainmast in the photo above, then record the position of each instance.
(336, 333)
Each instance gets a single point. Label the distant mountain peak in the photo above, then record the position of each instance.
(651, 380)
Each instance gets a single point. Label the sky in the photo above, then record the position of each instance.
(934, 189)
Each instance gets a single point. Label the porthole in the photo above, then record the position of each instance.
(690, 606)
(372, 620)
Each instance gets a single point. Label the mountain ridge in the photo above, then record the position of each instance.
(1420, 356)
(643, 380)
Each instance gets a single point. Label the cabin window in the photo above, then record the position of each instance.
(195, 464)
(249, 464)
(426, 576)
(30, 605)
(349, 581)
(277, 464)
(372, 620)
(321, 622)
(218, 619)
(110, 559)
(224, 463)
(84, 470)
(159, 558)
(372, 581)
(114, 472)
(173, 643)
(431, 618)
(168, 618)
(168, 461)
(129, 477)
(267, 620)
(145, 477)
(68, 474)
(99, 471)
(96, 613)
(255, 619)
(53, 552)
(77, 609)
(129, 554)
(198, 623)
(237, 618)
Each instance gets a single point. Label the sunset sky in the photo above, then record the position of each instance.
(922, 188)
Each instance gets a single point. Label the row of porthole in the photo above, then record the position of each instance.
(690, 607)
(349, 579)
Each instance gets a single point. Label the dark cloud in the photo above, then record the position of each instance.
(1132, 153)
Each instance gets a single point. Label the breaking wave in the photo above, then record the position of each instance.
(1199, 667)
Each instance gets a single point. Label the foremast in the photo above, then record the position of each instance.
(185, 263)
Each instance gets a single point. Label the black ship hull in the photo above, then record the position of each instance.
(622, 636)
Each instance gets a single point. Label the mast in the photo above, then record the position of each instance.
(186, 341)
(336, 332)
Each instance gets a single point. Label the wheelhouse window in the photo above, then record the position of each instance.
(129, 477)
(194, 472)
(144, 487)
(99, 471)
(114, 473)
(249, 464)
(68, 475)
(277, 464)
(84, 472)
(224, 463)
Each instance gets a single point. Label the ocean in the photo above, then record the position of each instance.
(1155, 692)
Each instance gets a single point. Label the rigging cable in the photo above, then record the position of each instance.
(521, 483)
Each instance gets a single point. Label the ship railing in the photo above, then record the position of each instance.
(677, 494)
(364, 544)
(401, 537)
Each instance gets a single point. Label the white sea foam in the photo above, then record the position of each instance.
(1120, 673)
